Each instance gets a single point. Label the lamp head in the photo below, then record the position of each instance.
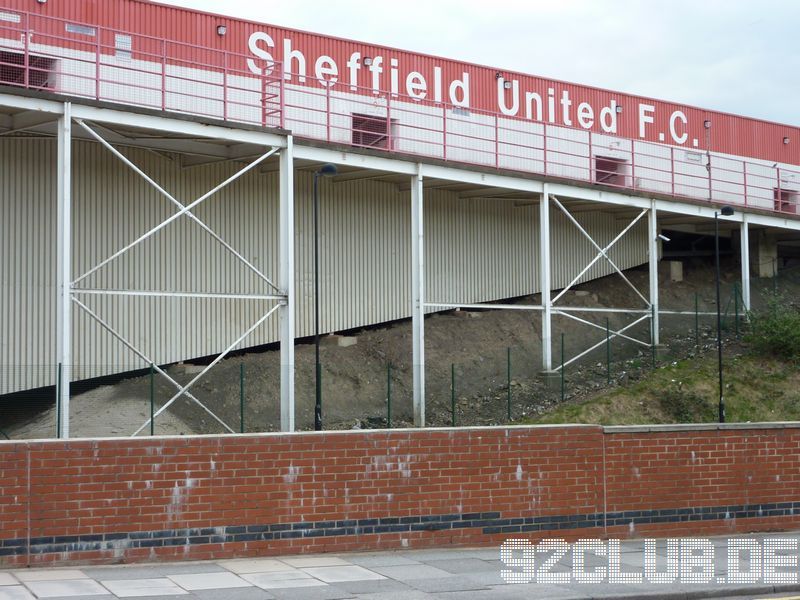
(327, 170)
(726, 211)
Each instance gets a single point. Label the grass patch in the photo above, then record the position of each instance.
(757, 388)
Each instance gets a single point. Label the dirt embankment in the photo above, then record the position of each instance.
(468, 348)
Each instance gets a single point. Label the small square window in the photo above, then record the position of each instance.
(609, 170)
(373, 132)
(785, 200)
(40, 70)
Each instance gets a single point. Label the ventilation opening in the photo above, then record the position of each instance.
(40, 70)
(785, 200)
(374, 132)
(610, 171)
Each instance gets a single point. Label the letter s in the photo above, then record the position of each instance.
(263, 53)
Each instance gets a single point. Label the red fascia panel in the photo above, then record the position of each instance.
(640, 118)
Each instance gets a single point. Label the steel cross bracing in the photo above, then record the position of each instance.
(602, 253)
(281, 293)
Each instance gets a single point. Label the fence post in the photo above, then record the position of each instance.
(27, 51)
(496, 142)
(775, 276)
(696, 321)
(328, 113)
(508, 379)
(152, 399)
(453, 393)
(562, 366)
(736, 309)
(652, 333)
(58, 403)
(163, 75)
(444, 131)
(608, 353)
(241, 397)
(389, 395)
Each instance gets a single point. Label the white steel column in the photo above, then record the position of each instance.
(544, 279)
(418, 297)
(286, 284)
(744, 242)
(652, 222)
(63, 260)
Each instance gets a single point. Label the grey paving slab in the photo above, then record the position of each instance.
(407, 595)
(381, 560)
(343, 573)
(444, 584)
(8, 579)
(373, 587)
(314, 561)
(405, 572)
(112, 573)
(253, 565)
(312, 593)
(190, 569)
(463, 565)
(209, 581)
(134, 588)
(15, 592)
(282, 579)
(66, 588)
(48, 574)
(529, 591)
(434, 554)
(482, 553)
(248, 593)
(486, 577)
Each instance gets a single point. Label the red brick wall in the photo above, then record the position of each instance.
(211, 497)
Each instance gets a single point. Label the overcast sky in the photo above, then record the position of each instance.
(738, 56)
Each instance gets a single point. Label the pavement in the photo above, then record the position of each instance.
(454, 574)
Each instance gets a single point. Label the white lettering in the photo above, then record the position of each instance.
(579, 550)
(530, 98)
(416, 86)
(645, 116)
(551, 105)
(565, 104)
(353, 65)
(253, 44)
(608, 118)
(290, 55)
(501, 97)
(324, 67)
(615, 573)
(376, 69)
(773, 560)
(678, 116)
(463, 85)
(437, 84)
(697, 561)
(394, 77)
(651, 574)
(585, 115)
(735, 549)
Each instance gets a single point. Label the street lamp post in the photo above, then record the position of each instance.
(327, 170)
(726, 211)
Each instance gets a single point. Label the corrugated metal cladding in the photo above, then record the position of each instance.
(729, 134)
(476, 250)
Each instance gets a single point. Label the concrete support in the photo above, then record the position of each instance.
(63, 259)
(765, 256)
(286, 284)
(744, 248)
(418, 297)
(652, 251)
(544, 279)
